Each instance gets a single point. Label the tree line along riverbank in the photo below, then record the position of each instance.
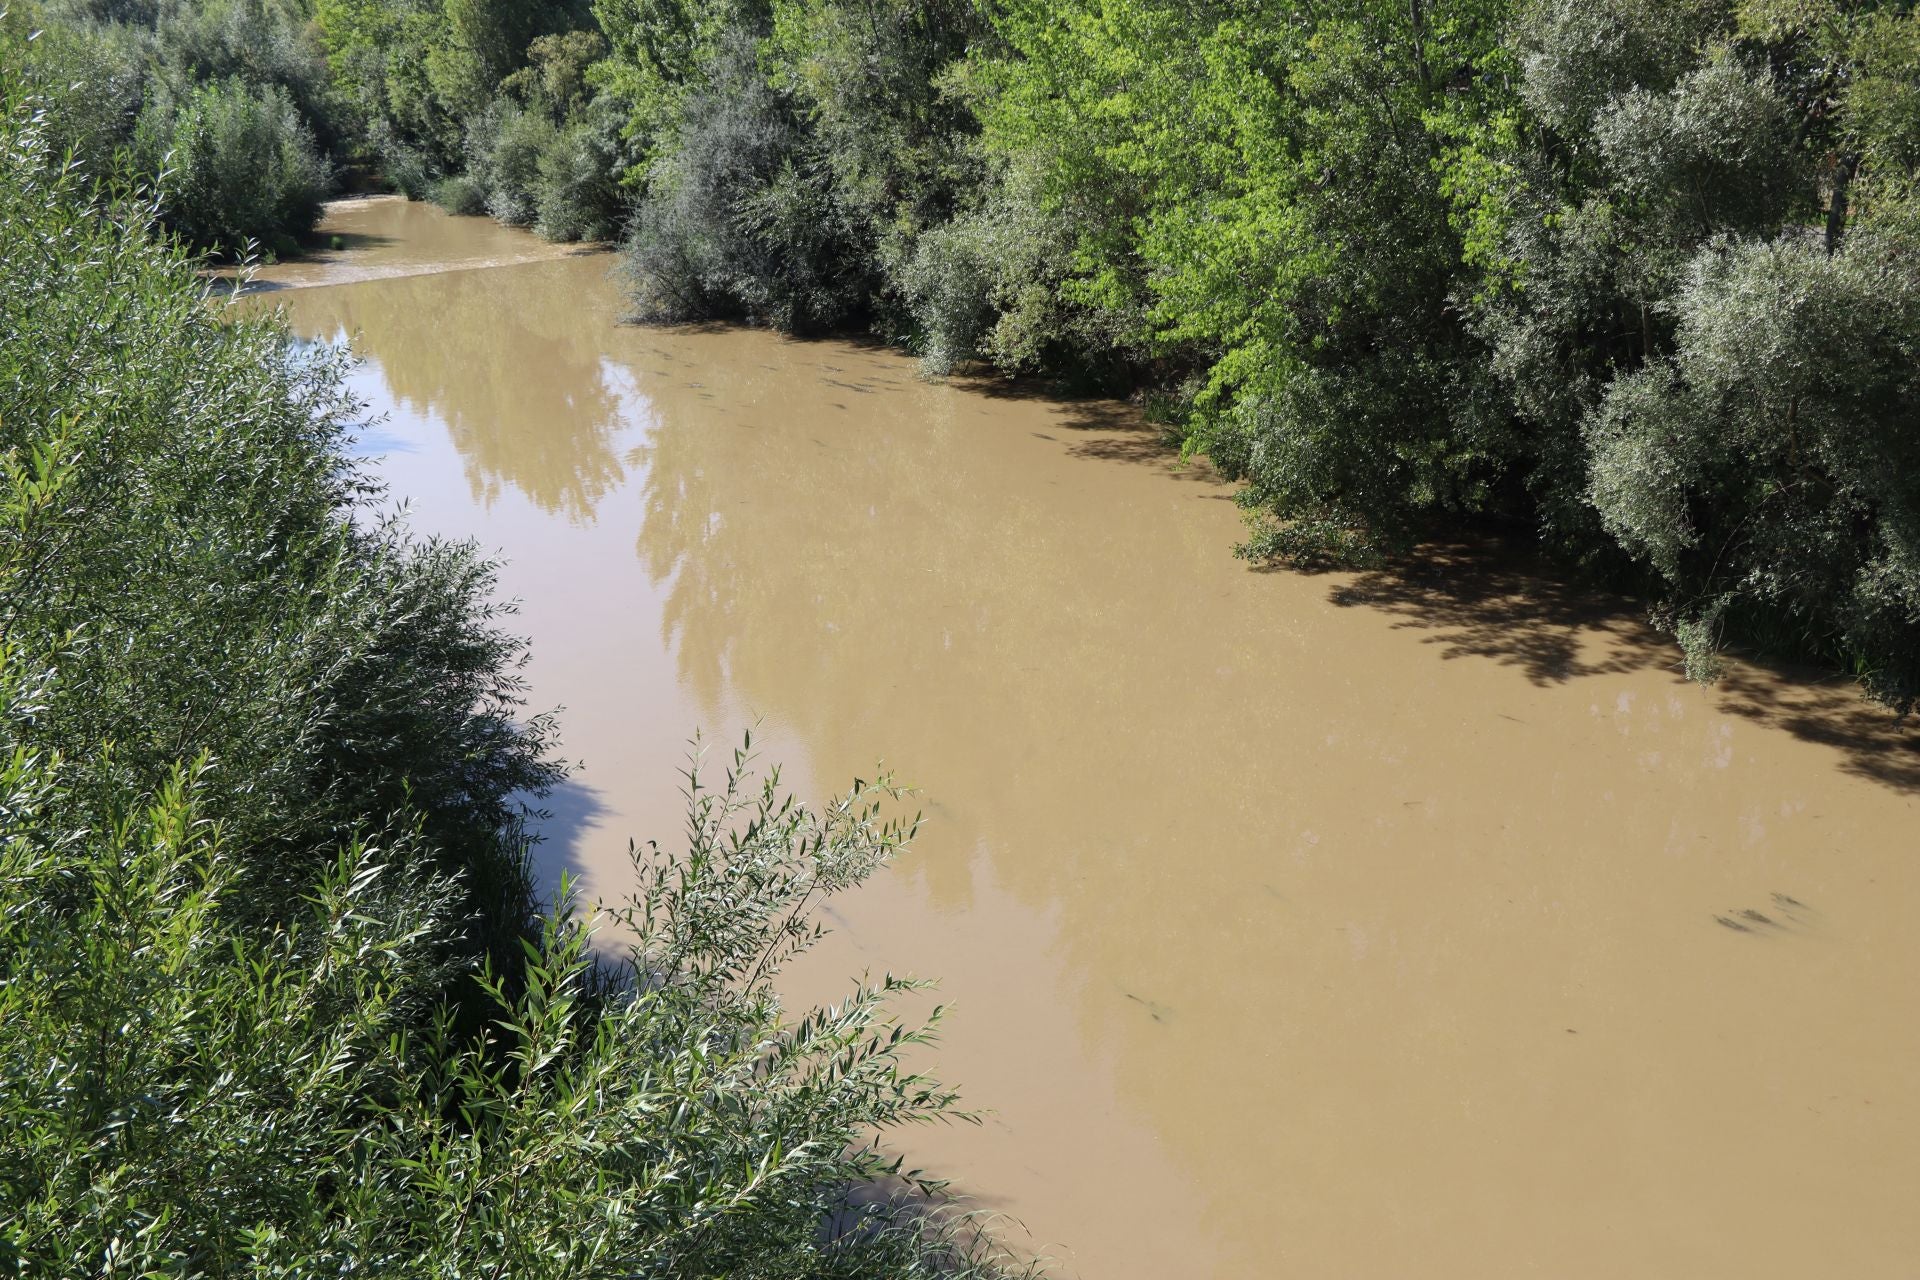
(1633, 281)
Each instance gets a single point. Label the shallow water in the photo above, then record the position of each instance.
(379, 237)
(1328, 925)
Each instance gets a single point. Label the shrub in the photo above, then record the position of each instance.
(739, 219)
(576, 196)
(555, 78)
(798, 151)
(504, 144)
(263, 43)
(408, 169)
(459, 195)
(205, 546)
(95, 78)
(987, 285)
(185, 1093)
(236, 164)
(1769, 465)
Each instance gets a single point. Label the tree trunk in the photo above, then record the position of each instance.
(1843, 172)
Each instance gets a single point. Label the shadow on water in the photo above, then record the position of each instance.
(320, 248)
(1080, 413)
(1830, 711)
(686, 328)
(1145, 446)
(1480, 601)
(560, 824)
(1115, 430)
(225, 287)
(974, 1229)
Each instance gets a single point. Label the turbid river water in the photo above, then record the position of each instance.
(1345, 925)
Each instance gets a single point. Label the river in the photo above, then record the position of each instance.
(1293, 925)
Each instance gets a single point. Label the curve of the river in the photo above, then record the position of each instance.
(1348, 925)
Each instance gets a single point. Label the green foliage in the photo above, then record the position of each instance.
(1769, 462)
(229, 100)
(987, 284)
(179, 1085)
(96, 76)
(555, 77)
(1260, 194)
(523, 169)
(1702, 253)
(203, 585)
(235, 164)
(797, 153)
(413, 92)
(576, 196)
(378, 57)
(248, 108)
(657, 49)
(268, 44)
(503, 147)
(459, 195)
(732, 225)
(1881, 95)
(484, 109)
(406, 167)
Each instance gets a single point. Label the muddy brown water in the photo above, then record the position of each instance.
(380, 237)
(1380, 925)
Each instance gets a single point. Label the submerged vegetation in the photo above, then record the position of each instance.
(276, 997)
